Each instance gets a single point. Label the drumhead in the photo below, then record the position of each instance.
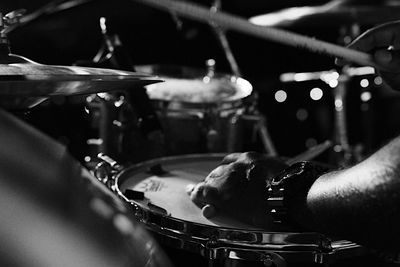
(168, 190)
(167, 210)
(186, 88)
(200, 90)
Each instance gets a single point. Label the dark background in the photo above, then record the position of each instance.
(152, 37)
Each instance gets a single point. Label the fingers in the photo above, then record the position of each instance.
(201, 196)
(381, 41)
(189, 188)
(246, 157)
(383, 36)
(231, 158)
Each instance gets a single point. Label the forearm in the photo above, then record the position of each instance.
(361, 203)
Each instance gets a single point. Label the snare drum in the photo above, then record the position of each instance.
(167, 211)
(198, 111)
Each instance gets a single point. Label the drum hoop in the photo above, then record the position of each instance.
(229, 103)
(173, 105)
(227, 240)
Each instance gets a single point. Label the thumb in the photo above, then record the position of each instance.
(388, 59)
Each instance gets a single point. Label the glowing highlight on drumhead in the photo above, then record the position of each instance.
(316, 94)
(280, 96)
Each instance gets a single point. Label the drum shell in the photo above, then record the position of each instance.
(199, 109)
(198, 128)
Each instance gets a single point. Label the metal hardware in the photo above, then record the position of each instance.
(106, 170)
(10, 19)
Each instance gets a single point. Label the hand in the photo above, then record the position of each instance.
(384, 42)
(238, 187)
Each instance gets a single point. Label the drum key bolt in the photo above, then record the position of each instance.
(106, 169)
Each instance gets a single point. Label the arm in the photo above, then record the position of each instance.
(383, 42)
(361, 203)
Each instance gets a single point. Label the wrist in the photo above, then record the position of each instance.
(287, 194)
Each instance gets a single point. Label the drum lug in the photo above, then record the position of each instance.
(106, 170)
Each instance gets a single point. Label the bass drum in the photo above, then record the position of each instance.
(200, 111)
(167, 211)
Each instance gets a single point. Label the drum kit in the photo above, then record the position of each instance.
(199, 112)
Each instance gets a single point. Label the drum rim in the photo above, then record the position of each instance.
(227, 239)
(244, 86)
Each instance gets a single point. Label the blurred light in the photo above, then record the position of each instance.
(337, 148)
(94, 141)
(364, 107)
(360, 71)
(123, 224)
(327, 77)
(290, 14)
(378, 80)
(316, 94)
(302, 114)
(90, 98)
(333, 83)
(310, 142)
(119, 102)
(206, 79)
(104, 96)
(364, 83)
(280, 96)
(300, 77)
(338, 104)
(347, 40)
(366, 96)
(210, 62)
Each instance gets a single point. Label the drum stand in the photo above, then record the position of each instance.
(340, 137)
(221, 36)
(260, 125)
(259, 130)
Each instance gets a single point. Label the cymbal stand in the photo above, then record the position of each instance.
(341, 140)
(48, 9)
(10, 19)
(259, 120)
(223, 40)
(342, 146)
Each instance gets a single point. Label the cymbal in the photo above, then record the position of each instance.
(328, 15)
(31, 79)
(25, 84)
